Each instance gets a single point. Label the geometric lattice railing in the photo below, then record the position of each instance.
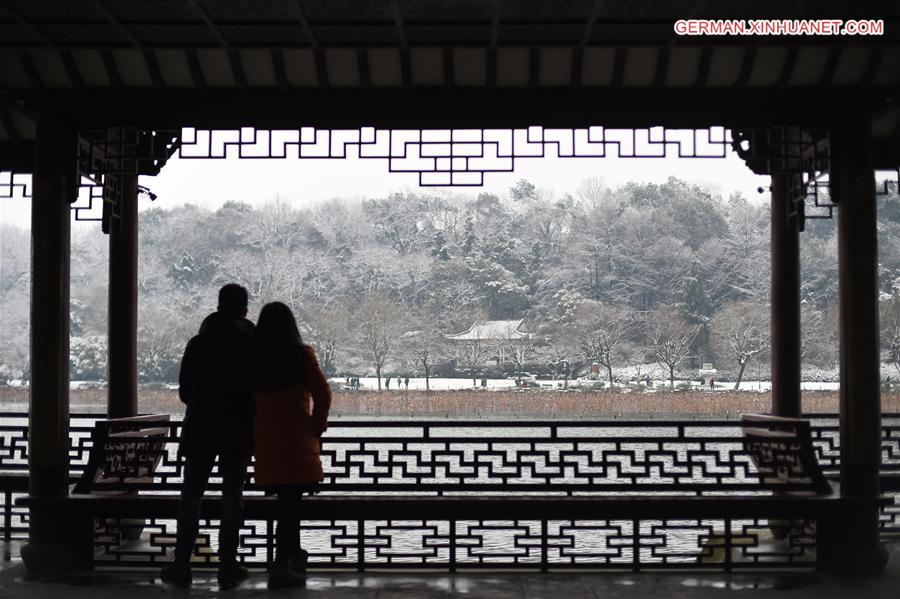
(664, 459)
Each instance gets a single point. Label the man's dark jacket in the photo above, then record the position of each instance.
(214, 382)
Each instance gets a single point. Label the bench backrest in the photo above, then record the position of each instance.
(124, 452)
(782, 451)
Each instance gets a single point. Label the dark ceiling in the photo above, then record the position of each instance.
(282, 63)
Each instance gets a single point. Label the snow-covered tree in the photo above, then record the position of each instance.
(471, 355)
(426, 343)
(162, 337)
(890, 332)
(378, 325)
(324, 326)
(526, 253)
(602, 329)
(740, 331)
(520, 351)
(557, 346)
(670, 338)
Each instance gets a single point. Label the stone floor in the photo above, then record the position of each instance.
(15, 584)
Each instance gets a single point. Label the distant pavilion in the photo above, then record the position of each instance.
(491, 332)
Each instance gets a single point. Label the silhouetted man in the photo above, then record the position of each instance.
(214, 383)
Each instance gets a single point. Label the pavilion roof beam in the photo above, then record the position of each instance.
(25, 23)
(405, 59)
(664, 52)
(872, 67)
(30, 71)
(117, 25)
(492, 47)
(746, 67)
(596, 8)
(64, 55)
(280, 72)
(448, 68)
(8, 126)
(703, 68)
(618, 68)
(495, 23)
(210, 24)
(318, 53)
(662, 67)
(831, 61)
(578, 51)
(237, 69)
(534, 69)
(577, 69)
(440, 108)
(153, 68)
(362, 63)
(197, 77)
(787, 69)
(149, 56)
(71, 70)
(112, 71)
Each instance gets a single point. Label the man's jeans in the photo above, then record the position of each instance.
(196, 476)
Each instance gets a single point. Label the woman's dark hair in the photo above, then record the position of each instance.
(276, 348)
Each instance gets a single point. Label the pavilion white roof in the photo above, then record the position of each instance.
(491, 330)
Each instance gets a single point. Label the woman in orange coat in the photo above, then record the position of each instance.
(292, 400)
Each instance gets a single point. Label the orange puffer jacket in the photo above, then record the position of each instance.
(289, 423)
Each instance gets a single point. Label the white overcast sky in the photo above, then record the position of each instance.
(211, 183)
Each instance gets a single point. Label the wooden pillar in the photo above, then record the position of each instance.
(785, 314)
(123, 295)
(48, 418)
(853, 189)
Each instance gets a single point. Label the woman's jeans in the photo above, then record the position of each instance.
(287, 534)
(196, 477)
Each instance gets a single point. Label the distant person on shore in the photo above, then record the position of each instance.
(399, 382)
(406, 383)
(292, 401)
(214, 383)
(387, 383)
(712, 383)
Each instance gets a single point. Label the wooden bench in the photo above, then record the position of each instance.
(125, 453)
(783, 453)
(118, 483)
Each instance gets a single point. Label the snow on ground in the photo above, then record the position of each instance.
(453, 384)
(767, 386)
(368, 383)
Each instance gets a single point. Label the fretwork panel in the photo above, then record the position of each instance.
(563, 464)
(591, 542)
(619, 544)
(416, 457)
(408, 542)
(332, 544)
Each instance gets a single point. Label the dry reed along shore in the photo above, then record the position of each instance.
(531, 404)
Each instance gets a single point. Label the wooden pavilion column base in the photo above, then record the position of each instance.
(855, 541)
(49, 547)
